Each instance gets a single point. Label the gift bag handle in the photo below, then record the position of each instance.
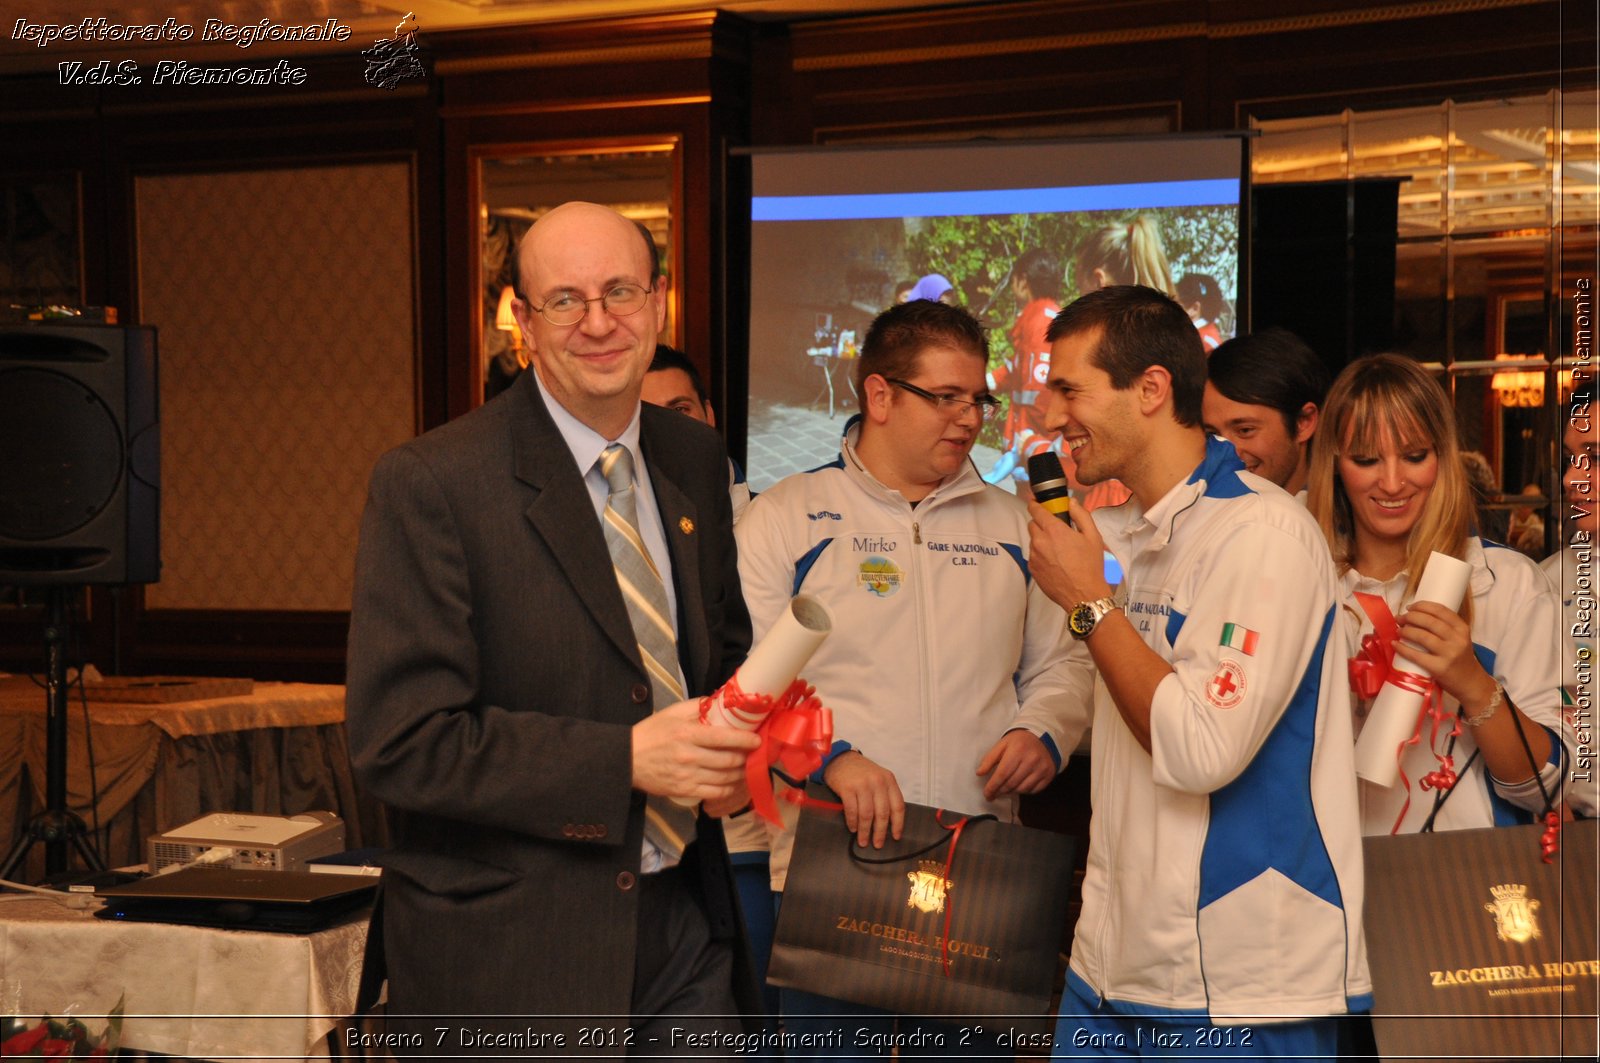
(955, 830)
(1549, 843)
(855, 850)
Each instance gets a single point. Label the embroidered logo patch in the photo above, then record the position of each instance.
(1226, 688)
(880, 576)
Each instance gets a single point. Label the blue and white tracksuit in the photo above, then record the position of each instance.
(1225, 880)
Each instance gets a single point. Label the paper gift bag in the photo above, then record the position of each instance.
(875, 933)
(1478, 948)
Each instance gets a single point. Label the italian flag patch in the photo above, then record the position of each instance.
(1240, 638)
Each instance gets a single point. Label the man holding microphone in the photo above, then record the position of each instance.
(1222, 902)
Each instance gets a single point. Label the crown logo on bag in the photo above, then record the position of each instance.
(1514, 913)
(928, 887)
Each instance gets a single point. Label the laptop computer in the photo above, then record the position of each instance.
(294, 902)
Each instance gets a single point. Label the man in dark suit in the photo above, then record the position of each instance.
(499, 702)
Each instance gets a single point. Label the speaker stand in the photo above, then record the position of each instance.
(57, 826)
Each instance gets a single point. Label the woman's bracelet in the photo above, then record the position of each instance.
(1495, 700)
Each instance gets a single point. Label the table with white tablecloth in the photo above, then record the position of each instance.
(187, 991)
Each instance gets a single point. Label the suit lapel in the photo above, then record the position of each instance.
(562, 513)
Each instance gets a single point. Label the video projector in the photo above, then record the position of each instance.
(248, 842)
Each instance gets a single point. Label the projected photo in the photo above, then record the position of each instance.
(823, 265)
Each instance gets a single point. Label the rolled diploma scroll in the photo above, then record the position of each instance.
(773, 663)
(1393, 718)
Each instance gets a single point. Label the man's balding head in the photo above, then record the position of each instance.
(594, 366)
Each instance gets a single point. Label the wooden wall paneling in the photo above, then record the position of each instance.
(957, 37)
(780, 97)
(721, 232)
(286, 645)
(432, 270)
(1284, 68)
(1052, 69)
(1084, 66)
(734, 74)
(21, 636)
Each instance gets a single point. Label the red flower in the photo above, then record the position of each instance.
(26, 1041)
(66, 1039)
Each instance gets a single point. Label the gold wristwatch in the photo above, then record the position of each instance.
(1082, 618)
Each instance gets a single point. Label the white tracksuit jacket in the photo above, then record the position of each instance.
(1516, 637)
(1225, 874)
(941, 642)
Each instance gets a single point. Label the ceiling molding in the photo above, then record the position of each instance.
(1323, 20)
(632, 53)
(981, 49)
(568, 106)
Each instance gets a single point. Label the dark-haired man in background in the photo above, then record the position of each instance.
(1224, 884)
(1264, 393)
(674, 382)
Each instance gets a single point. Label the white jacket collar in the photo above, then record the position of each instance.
(962, 482)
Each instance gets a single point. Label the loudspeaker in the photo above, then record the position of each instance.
(1322, 264)
(80, 455)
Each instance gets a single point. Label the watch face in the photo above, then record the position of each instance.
(1081, 620)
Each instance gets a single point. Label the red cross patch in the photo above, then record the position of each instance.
(1226, 689)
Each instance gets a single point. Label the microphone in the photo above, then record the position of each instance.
(1049, 483)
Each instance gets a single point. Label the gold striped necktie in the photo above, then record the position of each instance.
(668, 825)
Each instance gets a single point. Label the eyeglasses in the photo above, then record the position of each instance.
(949, 405)
(569, 308)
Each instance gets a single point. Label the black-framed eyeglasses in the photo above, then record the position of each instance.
(569, 308)
(949, 405)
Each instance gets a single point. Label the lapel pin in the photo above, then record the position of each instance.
(686, 525)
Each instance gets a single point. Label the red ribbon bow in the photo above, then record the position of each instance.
(1373, 667)
(796, 731)
(1549, 841)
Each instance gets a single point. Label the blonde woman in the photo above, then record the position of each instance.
(1387, 487)
(1126, 252)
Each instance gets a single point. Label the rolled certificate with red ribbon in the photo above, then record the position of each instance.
(766, 695)
(772, 665)
(1401, 697)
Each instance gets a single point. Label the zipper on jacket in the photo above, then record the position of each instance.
(926, 695)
